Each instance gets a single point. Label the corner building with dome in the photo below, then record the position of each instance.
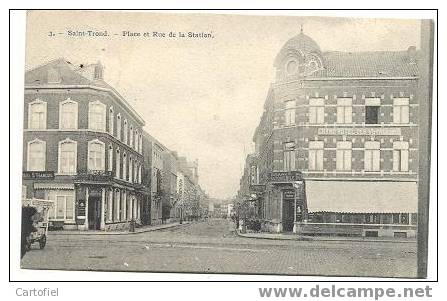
(336, 149)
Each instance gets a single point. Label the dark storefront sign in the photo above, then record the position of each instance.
(81, 208)
(289, 194)
(94, 175)
(285, 176)
(41, 175)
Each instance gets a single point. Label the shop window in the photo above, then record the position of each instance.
(344, 110)
(36, 155)
(37, 115)
(401, 110)
(63, 208)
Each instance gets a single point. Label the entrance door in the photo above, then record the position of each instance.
(94, 213)
(287, 215)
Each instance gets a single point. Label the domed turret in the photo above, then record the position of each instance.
(300, 56)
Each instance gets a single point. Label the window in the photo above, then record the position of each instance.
(344, 154)
(117, 205)
(401, 110)
(344, 110)
(372, 106)
(97, 116)
(117, 164)
(316, 110)
(110, 162)
(118, 126)
(130, 169)
(124, 166)
(400, 156)
(125, 131)
(63, 204)
(131, 136)
(36, 155)
(37, 115)
(96, 155)
(290, 112)
(110, 206)
(67, 156)
(68, 114)
(139, 174)
(136, 140)
(316, 155)
(140, 145)
(372, 156)
(111, 118)
(289, 156)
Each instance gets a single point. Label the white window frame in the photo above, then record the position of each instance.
(344, 156)
(111, 120)
(316, 155)
(103, 117)
(118, 126)
(67, 140)
(110, 158)
(289, 158)
(124, 166)
(125, 134)
(30, 113)
(401, 156)
(117, 163)
(401, 110)
(130, 169)
(41, 142)
(344, 110)
(53, 195)
(61, 104)
(372, 156)
(290, 112)
(316, 111)
(90, 143)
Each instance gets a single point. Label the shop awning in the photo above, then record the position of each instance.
(53, 186)
(362, 197)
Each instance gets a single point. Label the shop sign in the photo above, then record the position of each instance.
(285, 176)
(373, 131)
(41, 175)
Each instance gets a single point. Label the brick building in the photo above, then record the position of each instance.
(82, 147)
(336, 149)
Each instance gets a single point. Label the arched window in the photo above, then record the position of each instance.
(67, 156)
(111, 117)
(131, 136)
(117, 164)
(125, 131)
(130, 169)
(118, 126)
(97, 116)
(110, 162)
(136, 140)
(96, 155)
(68, 115)
(37, 115)
(124, 166)
(36, 155)
(140, 145)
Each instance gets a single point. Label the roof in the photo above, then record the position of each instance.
(69, 76)
(367, 64)
(362, 197)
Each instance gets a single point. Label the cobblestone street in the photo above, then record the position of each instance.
(211, 246)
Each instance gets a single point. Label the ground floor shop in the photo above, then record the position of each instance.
(348, 208)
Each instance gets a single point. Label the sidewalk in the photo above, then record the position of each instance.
(137, 230)
(295, 237)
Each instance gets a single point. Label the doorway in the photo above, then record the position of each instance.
(94, 213)
(287, 215)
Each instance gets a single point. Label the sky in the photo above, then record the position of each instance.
(202, 97)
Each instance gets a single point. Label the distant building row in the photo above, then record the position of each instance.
(85, 149)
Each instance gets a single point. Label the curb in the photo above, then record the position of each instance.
(68, 232)
(301, 238)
